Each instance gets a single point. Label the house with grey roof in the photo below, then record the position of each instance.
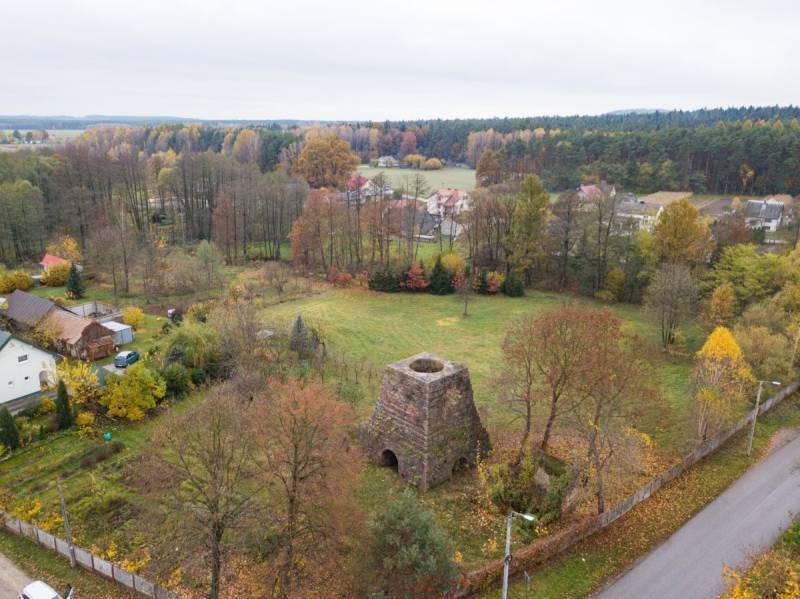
(26, 310)
(74, 335)
(636, 214)
(763, 214)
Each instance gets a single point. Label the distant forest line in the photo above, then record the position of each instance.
(747, 150)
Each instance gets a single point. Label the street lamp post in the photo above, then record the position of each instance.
(507, 560)
(755, 412)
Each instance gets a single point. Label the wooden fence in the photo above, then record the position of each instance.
(543, 549)
(87, 560)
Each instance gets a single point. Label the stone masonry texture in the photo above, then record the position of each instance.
(426, 420)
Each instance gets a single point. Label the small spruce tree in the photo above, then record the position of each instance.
(9, 433)
(74, 283)
(63, 408)
(441, 283)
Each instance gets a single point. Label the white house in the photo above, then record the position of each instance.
(448, 202)
(763, 214)
(24, 370)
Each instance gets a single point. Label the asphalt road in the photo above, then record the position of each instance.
(12, 579)
(741, 523)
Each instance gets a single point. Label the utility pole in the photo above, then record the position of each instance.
(755, 413)
(507, 560)
(67, 534)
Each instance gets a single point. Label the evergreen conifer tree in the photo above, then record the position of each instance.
(411, 556)
(513, 286)
(441, 283)
(75, 288)
(9, 433)
(63, 408)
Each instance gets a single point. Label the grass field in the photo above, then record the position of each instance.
(376, 328)
(459, 178)
(55, 134)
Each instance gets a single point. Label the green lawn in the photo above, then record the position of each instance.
(459, 178)
(372, 329)
(41, 564)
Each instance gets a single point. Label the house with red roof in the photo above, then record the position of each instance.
(449, 202)
(51, 260)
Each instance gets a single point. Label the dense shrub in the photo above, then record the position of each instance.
(415, 278)
(339, 278)
(513, 286)
(409, 555)
(197, 313)
(133, 316)
(177, 377)
(494, 282)
(56, 275)
(441, 281)
(386, 279)
(15, 279)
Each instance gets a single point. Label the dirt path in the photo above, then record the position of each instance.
(12, 579)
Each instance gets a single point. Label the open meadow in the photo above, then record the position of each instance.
(363, 331)
(372, 329)
(456, 177)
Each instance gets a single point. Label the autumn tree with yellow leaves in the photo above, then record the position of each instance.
(327, 162)
(721, 308)
(721, 380)
(681, 236)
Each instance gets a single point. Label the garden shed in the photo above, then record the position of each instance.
(123, 333)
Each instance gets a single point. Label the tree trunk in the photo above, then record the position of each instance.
(216, 560)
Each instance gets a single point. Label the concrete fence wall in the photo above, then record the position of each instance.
(87, 560)
(543, 549)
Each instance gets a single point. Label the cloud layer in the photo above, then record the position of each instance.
(352, 59)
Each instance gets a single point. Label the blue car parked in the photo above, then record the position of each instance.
(126, 358)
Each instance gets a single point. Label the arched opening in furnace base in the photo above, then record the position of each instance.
(389, 460)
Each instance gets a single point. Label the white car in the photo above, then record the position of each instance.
(41, 590)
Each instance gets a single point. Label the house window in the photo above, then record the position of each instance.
(22, 358)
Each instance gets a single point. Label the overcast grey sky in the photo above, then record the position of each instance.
(353, 59)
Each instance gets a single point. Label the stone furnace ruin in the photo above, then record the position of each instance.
(425, 424)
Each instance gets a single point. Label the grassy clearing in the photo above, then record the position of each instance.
(373, 329)
(459, 178)
(595, 561)
(41, 564)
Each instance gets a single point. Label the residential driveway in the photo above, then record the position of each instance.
(114, 370)
(12, 579)
(743, 522)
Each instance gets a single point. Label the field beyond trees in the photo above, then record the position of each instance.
(451, 176)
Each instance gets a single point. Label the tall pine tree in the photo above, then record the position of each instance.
(74, 283)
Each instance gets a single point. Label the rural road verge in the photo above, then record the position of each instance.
(744, 521)
(12, 579)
